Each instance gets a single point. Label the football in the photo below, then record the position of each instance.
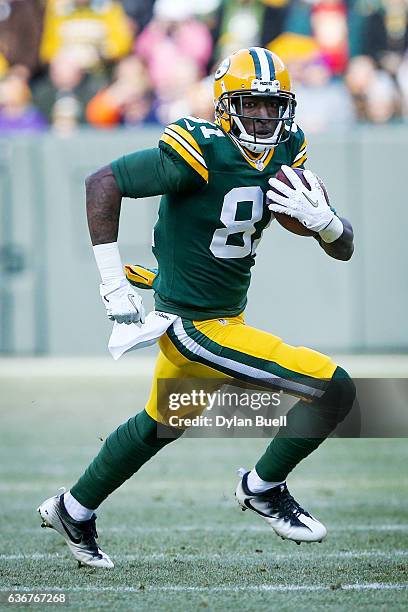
(289, 223)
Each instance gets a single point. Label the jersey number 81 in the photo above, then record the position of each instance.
(219, 247)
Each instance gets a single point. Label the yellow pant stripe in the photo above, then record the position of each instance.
(237, 336)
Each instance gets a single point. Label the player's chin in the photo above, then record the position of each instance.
(264, 135)
(265, 132)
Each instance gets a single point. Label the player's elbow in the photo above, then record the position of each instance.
(90, 184)
(340, 249)
(349, 253)
(102, 181)
(92, 180)
(346, 252)
(343, 248)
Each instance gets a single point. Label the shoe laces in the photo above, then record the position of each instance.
(89, 533)
(282, 501)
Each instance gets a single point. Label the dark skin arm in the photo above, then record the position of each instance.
(103, 202)
(343, 247)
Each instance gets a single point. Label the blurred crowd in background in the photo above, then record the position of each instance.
(104, 63)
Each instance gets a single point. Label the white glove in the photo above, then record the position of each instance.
(123, 304)
(309, 206)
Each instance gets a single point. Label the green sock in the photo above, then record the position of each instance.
(308, 425)
(122, 454)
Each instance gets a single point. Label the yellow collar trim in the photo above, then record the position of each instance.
(258, 162)
(261, 161)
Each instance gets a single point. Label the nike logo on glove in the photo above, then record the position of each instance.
(312, 202)
(131, 300)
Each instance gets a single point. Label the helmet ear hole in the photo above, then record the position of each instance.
(221, 109)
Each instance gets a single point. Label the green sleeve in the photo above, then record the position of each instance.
(153, 172)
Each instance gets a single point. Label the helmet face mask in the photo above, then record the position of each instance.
(258, 131)
(253, 100)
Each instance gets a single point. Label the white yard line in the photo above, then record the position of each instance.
(228, 529)
(231, 557)
(255, 528)
(364, 586)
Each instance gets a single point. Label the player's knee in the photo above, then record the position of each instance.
(311, 362)
(348, 389)
(341, 393)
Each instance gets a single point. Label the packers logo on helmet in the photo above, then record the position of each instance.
(254, 78)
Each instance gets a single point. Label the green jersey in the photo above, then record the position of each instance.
(212, 213)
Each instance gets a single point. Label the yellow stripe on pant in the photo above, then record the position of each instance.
(222, 349)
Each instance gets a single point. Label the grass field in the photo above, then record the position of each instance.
(177, 538)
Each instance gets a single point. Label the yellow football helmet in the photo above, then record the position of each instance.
(253, 72)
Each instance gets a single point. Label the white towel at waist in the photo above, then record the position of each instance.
(126, 338)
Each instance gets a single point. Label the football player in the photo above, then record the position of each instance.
(215, 180)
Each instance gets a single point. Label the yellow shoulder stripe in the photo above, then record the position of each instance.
(187, 136)
(186, 155)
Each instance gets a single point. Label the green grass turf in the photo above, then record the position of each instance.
(177, 537)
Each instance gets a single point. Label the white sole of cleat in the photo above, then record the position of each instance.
(243, 508)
